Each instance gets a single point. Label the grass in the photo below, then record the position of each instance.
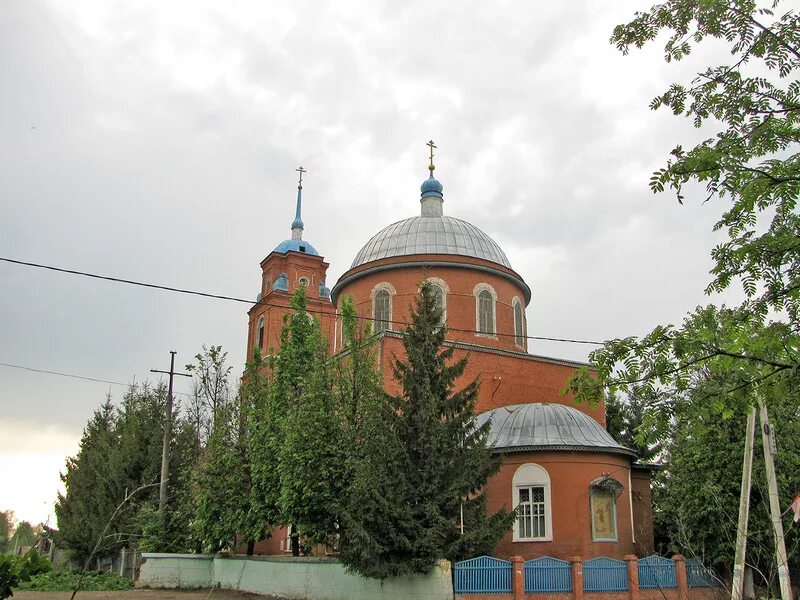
(65, 581)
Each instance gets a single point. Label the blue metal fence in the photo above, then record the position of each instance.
(698, 575)
(656, 572)
(482, 575)
(605, 575)
(548, 574)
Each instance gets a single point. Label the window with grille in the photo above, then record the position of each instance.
(260, 333)
(382, 313)
(519, 330)
(485, 312)
(531, 521)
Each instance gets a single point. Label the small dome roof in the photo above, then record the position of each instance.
(431, 187)
(430, 235)
(296, 246)
(539, 426)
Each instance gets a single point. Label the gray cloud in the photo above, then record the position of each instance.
(158, 142)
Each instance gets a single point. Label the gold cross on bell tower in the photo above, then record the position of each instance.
(431, 145)
(300, 170)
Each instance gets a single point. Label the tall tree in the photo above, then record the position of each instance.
(426, 461)
(222, 483)
(358, 389)
(6, 528)
(696, 504)
(120, 452)
(88, 501)
(752, 162)
(212, 385)
(625, 418)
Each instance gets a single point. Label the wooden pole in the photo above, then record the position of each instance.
(737, 587)
(162, 494)
(768, 441)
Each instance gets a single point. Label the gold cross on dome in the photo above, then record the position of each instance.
(300, 170)
(431, 145)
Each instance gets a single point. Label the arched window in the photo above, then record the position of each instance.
(260, 333)
(485, 307)
(531, 498)
(382, 311)
(440, 289)
(519, 323)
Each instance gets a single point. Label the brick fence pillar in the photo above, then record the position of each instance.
(577, 577)
(680, 577)
(633, 576)
(518, 577)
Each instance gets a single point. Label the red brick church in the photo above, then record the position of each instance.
(578, 492)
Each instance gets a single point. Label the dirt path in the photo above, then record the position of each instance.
(144, 595)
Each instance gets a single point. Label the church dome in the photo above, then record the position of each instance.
(431, 235)
(537, 426)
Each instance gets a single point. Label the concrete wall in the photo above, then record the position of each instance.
(300, 578)
(176, 570)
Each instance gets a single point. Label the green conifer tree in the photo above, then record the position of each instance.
(425, 460)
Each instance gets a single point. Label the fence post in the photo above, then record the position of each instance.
(681, 577)
(577, 577)
(633, 576)
(518, 577)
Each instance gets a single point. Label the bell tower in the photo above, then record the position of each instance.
(292, 264)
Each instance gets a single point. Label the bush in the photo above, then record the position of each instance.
(32, 564)
(9, 575)
(65, 581)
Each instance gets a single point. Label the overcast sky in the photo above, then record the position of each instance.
(158, 141)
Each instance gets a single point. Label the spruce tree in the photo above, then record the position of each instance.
(425, 459)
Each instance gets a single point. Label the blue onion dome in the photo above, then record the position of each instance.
(431, 187)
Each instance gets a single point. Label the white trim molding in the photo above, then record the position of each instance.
(380, 287)
(531, 477)
(476, 291)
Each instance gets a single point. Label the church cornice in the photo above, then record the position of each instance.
(470, 264)
(499, 351)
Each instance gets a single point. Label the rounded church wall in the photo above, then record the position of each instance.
(569, 525)
(460, 283)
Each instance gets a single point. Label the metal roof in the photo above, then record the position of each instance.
(539, 426)
(296, 246)
(431, 235)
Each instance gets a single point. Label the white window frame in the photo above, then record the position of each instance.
(383, 286)
(445, 290)
(521, 340)
(592, 492)
(481, 287)
(528, 476)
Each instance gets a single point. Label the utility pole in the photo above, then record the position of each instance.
(162, 495)
(737, 587)
(768, 441)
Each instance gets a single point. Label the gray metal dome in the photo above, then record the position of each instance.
(537, 426)
(431, 235)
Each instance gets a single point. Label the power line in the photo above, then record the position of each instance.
(72, 376)
(264, 303)
(62, 374)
